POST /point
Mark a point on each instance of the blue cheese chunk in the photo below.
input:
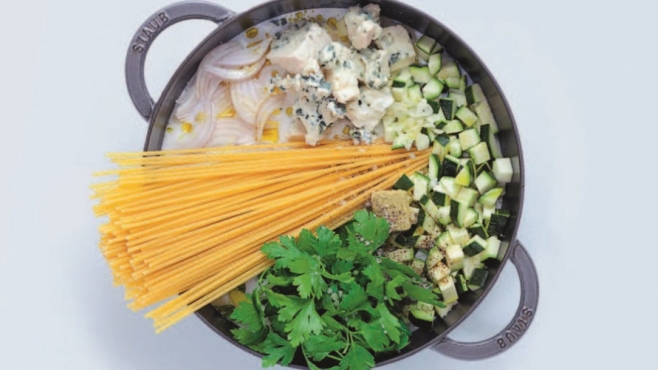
(377, 71)
(363, 25)
(297, 48)
(343, 69)
(396, 41)
(368, 110)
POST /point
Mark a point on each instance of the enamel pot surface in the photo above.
(231, 24)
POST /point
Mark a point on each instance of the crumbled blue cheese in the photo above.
(297, 48)
(368, 110)
(343, 69)
(396, 41)
(377, 71)
(363, 25)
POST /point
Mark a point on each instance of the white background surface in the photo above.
(580, 77)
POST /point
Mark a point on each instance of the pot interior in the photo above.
(393, 12)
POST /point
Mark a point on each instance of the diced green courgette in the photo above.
(455, 257)
(453, 82)
(487, 135)
(440, 199)
(438, 272)
(448, 186)
(466, 174)
(423, 311)
(470, 264)
(478, 278)
(490, 198)
(453, 127)
(475, 246)
(418, 266)
(434, 63)
(469, 138)
(432, 89)
(421, 185)
(426, 44)
(448, 69)
(485, 114)
(466, 116)
(455, 147)
(493, 247)
(405, 77)
(421, 74)
(485, 182)
(448, 290)
(433, 257)
(444, 241)
(451, 166)
(404, 183)
(503, 170)
(467, 196)
(458, 235)
(449, 107)
(415, 93)
(474, 94)
(458, 96)
(425, 242)
(498, 222)
(444, 311)
(478, 229)
(401, 255)
(435, 170)
(480, 153)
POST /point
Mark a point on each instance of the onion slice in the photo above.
(245, 55)
(268, 107)
(237, 74)
(247, 96)
(231, 131)
(189, 134)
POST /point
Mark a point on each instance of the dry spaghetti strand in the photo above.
(186, 226)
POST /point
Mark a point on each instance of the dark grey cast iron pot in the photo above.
(231, 24)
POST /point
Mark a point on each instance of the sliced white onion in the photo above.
(221, 99)
(237, 74)
(245, 55)
(218, 53)
(267, 108)
(232, 131)
(176, 136)
(247, 97)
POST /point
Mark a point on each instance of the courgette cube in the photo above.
(433, 89)
(435, 170)
(444, 311)
(466, 116)
(458, 96)
(498, 222)
(470, 264)
(404, 183)
(451, 166)
(467, 196)
(448, 69)
(478, 279)
(423, 311)
(444, 241)
(493, 247)
(401, 255)
(459, 236)
(421, 185)
(426, 44)
(421, 75)
(448, 290)
(487, 135)
(449, 107)
(434, 63)
(453, 127)
(455, 257)
(474, 94)
(485, 115)
(485, 182)
(469, 138)
(480, 153)
(475, 246)
(466, 175)
(490, 198)
(433, 258)
(438, 272)
(469, 218)
(503, 170)
(418, 266)
(453, 82)
(457, 212)
(440, 199)
(461, 284)
(478, 229)
(425, 242)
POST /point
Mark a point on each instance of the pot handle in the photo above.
(149, 31)
(515, 329)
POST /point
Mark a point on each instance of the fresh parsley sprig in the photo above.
(327, 297)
